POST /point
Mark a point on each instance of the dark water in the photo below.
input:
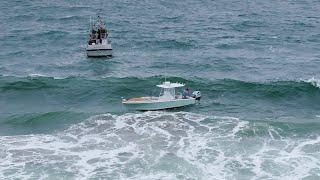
(256, 64)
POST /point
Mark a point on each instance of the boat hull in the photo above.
(159, 105)
(99, 53)
(99, 50)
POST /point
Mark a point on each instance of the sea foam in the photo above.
(160, 145)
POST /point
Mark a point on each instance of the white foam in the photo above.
(36, 75)
(315, 82)
(159, 145)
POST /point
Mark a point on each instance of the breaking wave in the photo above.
(315, 82)
(163, 145)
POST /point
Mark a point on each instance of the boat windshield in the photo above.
(167, 94)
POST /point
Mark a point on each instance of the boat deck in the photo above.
(152, 100)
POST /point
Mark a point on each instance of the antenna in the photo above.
(165, 72)
(90, 29)
(100, 8)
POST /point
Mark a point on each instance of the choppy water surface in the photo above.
(256, 64)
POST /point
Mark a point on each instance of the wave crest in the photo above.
(313, 81)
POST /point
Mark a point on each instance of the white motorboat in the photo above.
(167, 99)
(98, 44)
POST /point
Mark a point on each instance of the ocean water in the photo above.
(255, 62)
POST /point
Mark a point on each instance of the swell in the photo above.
(286, 101)
(35, 123)
(270, 89)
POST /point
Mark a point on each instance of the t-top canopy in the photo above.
(168, 85)
(98, 24)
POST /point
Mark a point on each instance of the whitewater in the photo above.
(256, 64)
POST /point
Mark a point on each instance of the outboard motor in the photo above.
(196, 95)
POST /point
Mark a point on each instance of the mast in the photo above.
(165, 72)
(90, 22)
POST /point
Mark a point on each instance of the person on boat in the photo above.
(103, 33)
(185, 93)
(93, 38)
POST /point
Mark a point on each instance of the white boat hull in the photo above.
(158, 105)
(99, 50)
(99, 53)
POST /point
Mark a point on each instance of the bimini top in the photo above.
(168, 85)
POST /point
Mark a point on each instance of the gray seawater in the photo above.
(256, 64)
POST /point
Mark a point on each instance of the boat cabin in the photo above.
(168, 90)
(98, 32)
